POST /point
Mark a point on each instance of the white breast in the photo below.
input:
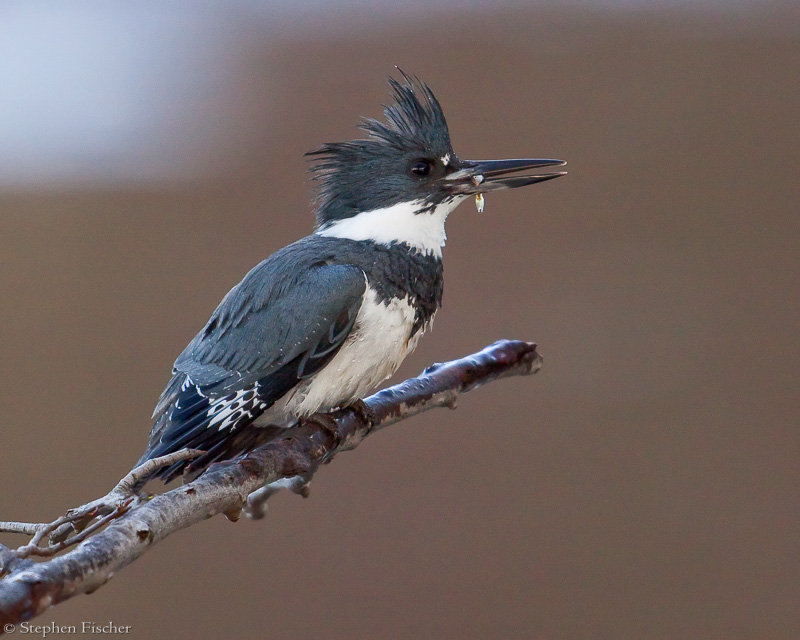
(413, 223)
(378, 344)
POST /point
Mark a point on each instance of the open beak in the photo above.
(480, 176)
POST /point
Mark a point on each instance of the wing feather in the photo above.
(271, 331)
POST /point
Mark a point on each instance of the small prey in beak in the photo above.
(476, 177)
(473, 177)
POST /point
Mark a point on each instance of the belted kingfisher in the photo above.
(324, 320)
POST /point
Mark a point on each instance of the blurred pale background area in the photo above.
(644, 485)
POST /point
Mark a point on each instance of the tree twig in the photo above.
(26, 528)
(129, 527)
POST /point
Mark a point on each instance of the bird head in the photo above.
(407, 163)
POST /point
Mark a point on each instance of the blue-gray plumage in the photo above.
(325, 319)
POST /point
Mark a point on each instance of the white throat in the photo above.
(399, 223)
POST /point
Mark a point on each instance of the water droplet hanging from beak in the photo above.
(480, 202)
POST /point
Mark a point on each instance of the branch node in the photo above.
(302, 489)
(234, 514)
(145, 535)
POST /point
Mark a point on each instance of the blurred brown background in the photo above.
(643, 485)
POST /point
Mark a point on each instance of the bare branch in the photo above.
(128, 525)
(52, 549)
(125, 486)
(27, 528)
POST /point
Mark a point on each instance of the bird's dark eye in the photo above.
(421, 168)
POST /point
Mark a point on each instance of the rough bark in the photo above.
(27, 588)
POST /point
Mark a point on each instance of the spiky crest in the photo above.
(347, 172)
